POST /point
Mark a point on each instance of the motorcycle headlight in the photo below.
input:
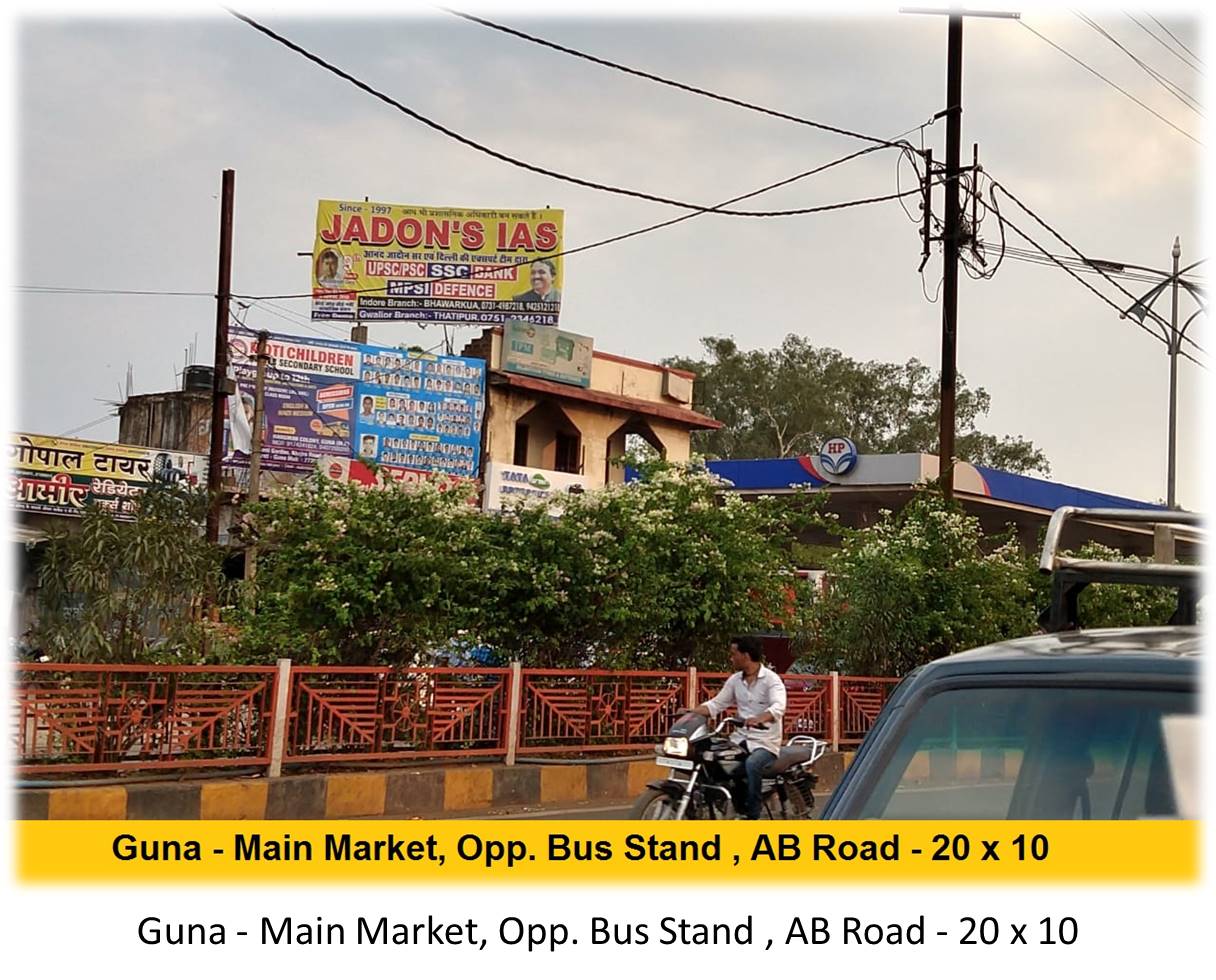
(675, 745)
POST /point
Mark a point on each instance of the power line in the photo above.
(661, 80)
(87, 425)
(83, 291)
(1176, 91)
(648, 228)
(1164, 337)
(1114, 306)
(265, 300)
(1125, 275)
(1099, 75)
(1140, 25)
(1176, 39)
(297, 320)
(523, 164)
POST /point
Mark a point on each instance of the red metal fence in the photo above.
(586, 710)
(93, 718)
(383, 713)
(85, 718)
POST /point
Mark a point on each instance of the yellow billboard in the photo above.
(404, 262)
(50, 475)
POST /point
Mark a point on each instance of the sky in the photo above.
(123, 125)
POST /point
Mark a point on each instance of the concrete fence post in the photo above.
(834, 717)
(514, 697)
(692, 687)
(278, 720)
(1163, 544)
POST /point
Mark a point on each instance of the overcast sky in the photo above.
(123, 127)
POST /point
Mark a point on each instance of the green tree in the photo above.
(788, 400)
(112, 591)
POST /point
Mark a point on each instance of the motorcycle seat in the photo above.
(791, 755)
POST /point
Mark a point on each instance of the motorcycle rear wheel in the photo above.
(797, 807)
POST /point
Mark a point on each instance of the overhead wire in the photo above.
(1176, 39)
(84, 291)
(1117, 88)
(971, 188)
(1139, 24)
(1173, 89)
(1076, 252)
(1027, 255)
(525, 165)
(661, 80)
(86, 425)
(1161, 323)
(1105, 299)
(613, 239)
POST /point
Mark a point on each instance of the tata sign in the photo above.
(505, 484)
(837, 456)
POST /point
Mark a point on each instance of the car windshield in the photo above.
(1032, 752)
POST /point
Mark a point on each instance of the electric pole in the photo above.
(1175, 347)
(951, 233)
(255, 454)
(950, 237)
(220, 382)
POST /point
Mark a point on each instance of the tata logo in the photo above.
(837, 456)
(528, 479)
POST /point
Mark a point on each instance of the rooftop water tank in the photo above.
(198, 377)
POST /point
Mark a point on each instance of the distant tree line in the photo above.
(788, 400)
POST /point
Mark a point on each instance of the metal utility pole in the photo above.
(220, 383)
(358, 332)
(951, 232)
(1175, 345)
(255, 455)
(950, 237)
(1171, 333)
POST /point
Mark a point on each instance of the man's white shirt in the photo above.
(766, 693)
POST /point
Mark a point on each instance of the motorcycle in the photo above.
(706, 781)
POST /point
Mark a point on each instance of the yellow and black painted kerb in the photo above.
(421, 792)
(335, 795)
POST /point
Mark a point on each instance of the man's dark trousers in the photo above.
(757, 760)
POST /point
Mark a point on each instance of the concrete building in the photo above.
(176, 420)
(534, 423)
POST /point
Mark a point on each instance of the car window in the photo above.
(1032, 752)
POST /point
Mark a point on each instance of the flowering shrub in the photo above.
(915, 586)
(925, 583)
(655, 573)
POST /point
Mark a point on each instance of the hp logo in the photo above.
(837, 456)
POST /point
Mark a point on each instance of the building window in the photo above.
(521, 445)
(565, 456)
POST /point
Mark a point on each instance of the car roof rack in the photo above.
(1069, 576)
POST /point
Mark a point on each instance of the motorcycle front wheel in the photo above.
(654, 804)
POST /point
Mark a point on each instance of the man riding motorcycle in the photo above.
(758, 696)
